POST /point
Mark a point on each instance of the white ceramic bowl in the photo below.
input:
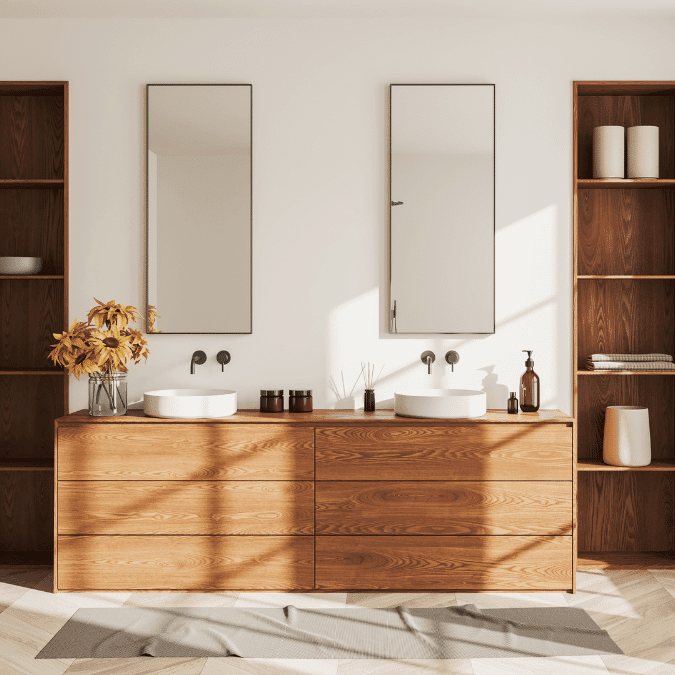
(190, 404)
(440, 403)
(19, 265)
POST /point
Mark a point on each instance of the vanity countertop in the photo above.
(326, 417)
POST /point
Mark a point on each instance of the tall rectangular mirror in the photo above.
(198, 182)
(442, 214)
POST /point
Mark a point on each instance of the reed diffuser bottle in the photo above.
(369, 380)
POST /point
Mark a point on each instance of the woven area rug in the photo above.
(347, 633)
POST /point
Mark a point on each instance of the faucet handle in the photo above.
(452, 357)
(199, 357)
(223, 358)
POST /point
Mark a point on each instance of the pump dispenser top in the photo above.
(529, 386)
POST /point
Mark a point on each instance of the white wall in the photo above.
(320, 181)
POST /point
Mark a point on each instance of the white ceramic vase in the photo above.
(608, 152)
(627, 441)
(643, 152)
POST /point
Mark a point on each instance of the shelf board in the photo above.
(10, 183)
(619, 560)
(26, 465)
(33, 276)
(619, 183)
(625, 276)
(28, 371)
(597, 465)
(625, 372)
(20, 558)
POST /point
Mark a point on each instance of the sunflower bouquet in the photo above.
(101, 348)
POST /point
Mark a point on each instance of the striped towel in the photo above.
(630, 357)
(630, 365)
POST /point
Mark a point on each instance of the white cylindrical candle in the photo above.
(643, 152)
(608, 152)
(627, 441)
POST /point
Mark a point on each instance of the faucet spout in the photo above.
(427, 359)
(198, 358)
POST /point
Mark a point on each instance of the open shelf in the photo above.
(626, 276)
(595, 465)
(26, 465)
(619, 560)
(8, 183)
(625, 372)
(621, 183)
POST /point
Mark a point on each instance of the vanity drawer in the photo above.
(452, 452)
(185, 563)
(443, 507)
(435, 563)
(190, 507)
(197, 451)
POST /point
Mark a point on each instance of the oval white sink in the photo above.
(440, 403)
(190, 403)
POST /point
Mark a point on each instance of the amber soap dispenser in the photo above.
(529, 386)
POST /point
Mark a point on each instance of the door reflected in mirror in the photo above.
(442, 224)
(199, 208)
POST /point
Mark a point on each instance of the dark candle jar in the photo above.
(271, 400)
(300, 401)
(369, 400)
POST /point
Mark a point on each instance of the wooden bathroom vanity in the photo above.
(328, 501)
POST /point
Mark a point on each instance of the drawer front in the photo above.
(443, 508)
(431, 563)
(185, 563)
(185, 452)
(190, 507)
(472, 452)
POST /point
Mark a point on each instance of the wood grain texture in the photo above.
(32, 136)
(443, 508)
(26, 511)
(626, 111)
(597, 465)
(469, 563)
(626, 232)
(596, 393)
(627, 512)
(190, 507)
(331, 418)
(614, 560)
(519, 452)
(32, 224)
(28, 408)
(30, 312)
(185, 452)
(625, 317)
(185, 563)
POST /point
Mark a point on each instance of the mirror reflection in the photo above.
(199, 208)
(442, 208)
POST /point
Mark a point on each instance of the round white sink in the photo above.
(190, 404)
(440, 403)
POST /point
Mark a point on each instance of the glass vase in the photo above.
(107, 394)
(369, 400)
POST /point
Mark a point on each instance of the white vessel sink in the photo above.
(190, 404)
(440, 403)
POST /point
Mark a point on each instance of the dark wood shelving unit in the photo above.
(624, 302)
(33, 222)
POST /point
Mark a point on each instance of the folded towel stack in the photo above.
(630, 362)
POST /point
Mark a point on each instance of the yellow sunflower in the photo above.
(71, 344)
(139, 345)
(113, 316)
(111, 350)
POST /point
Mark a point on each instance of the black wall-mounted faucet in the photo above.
(223, 358)
(198, 358)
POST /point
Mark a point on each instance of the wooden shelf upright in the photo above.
(624, 302)
(33, 222)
